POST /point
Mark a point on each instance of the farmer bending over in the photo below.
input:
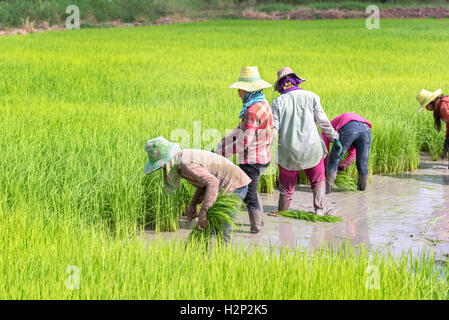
(296, 114)
(251, 139)
(439, 105)
(205, 170)
(355, 137)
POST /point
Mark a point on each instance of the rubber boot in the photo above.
(261, 208)
(361, 185)
(255, 218)
(330, 180)
(319, 199)
(284, 203)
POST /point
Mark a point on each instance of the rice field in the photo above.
(67, 258)
(77, 108)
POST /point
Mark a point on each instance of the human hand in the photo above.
(202, 224)
(202, 221)
(192, 213)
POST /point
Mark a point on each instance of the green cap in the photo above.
(160, 151)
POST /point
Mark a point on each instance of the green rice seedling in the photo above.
(218, 215)
(309, 216)
(267, 183)
(163, 209)
(345, 182)
(74, 123)
(42, 256)
(77, 107)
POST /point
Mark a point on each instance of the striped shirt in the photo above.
(251, 139)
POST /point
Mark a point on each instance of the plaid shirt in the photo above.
(252, 138)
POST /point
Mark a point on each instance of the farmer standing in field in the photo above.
(355, 137)
(205, 170)
(439, 105)
(296, 114)
(251, 139)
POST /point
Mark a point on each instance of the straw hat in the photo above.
(250, 80)
(425, 97)
(160, 151)
(283, 73)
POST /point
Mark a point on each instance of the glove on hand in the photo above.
(339, 147)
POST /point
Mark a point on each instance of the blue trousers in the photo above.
(357, 134)
(227, 228)
(253, 171)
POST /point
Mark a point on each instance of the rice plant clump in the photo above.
(309, 216)
(221, 213)
(345, 182)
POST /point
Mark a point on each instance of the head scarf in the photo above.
(170, 176)
(289, 83)
(250, 99)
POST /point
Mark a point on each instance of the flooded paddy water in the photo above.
(396, 213)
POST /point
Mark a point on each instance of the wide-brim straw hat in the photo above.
(425, 97)
(286, 72)
(160, 151)
(250, 80)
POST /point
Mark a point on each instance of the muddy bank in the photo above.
(30, 27)
(311, 14)
(396, 213)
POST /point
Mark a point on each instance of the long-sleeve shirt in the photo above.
(296, 115)
(251, 139)
(444, 113)
(338, 123)
(210, 173)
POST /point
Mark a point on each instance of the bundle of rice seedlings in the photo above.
(345, 182)
(309, 216)
(218, 215)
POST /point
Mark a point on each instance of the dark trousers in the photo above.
(253, 171)
(357, 134)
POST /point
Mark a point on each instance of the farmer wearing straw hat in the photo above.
(205, 170)
(439, 104)
(296, 114)
(252, 138)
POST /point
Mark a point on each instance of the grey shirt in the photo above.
(296, 115)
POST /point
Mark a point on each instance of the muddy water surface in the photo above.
(395, 213)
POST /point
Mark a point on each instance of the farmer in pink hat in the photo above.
(296, 114)
(205, 170)
(355, 137)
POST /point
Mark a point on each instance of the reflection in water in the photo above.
(395, 213)
(287, 235)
